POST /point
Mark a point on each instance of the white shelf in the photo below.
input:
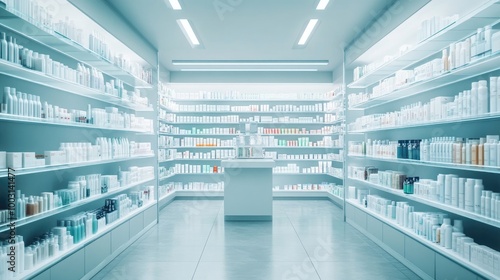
(303, 147)
(259, 123)
(184, 174)
(250, 112)
(170, 195)
(301, 174)
(435, 204)
(23, 119)
(465, 26)
(313, 160)
(62, 255)
(198, 159)
(437, 248)
(166, 160)
(19, 72)
(25, 171)
(300, 193)
(473, 69)
(335, 176)
(488, 116)
(199, 135)
(467, 167)
(68, 47)
(76, 204)
(166, 177)
(201, 147)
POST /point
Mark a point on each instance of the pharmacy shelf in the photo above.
(433, 246)
(466, 167)
(198, 174)
(166, 160)
(17, 71)
(473, 69)
(28, 220)
(75, 248)
(335, 176)
(259, 123)
(68, 47)
(302, 174)
(198, 159)
(488, 116)
(31, 120)
(303, 147)
(249, 112)
(200, 135)
(299, 193)
(26, 171)
(166, 177)
(200, 147)
(335, 198)
(199, 193)
(313, 160)
(435, 204)
(486, 14)
(169, 196)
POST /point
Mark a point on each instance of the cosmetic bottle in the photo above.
(440, 187)
(16, 52)
(474, 99)
(451, 60)
(487, 203)
(487, 39)
(493, 95)
(480, 151)
(9, 101)
(31, 106)
(473, 151)
(10, 49)
(4, 46)
(20, 104)
(25, 104)
(469, 195)
(38, 106)
(482, 97)
(493, 152)
(461, 193)
(468, 147)
(454, 191)
(483, 198)
(486, 154)
(498, 94)
(478, 188)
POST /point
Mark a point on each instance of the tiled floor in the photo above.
(305, 240)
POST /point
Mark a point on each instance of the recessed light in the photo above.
(250, 62)
(322, 4)
(307, 32)
(188, 31)
(175, 4)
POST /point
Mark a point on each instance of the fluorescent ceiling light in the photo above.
(188, 31)
(322, 4)
(307, 32)
(250, 62)
(175, 4)
(248, 70)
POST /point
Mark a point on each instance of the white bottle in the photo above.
(38, 107)
(474, 99)
(9, 100)
(10, 48)
(469, 195)
(31, 106)
(445, 227)
(26, 104)
(482, 97)
(498, 94)
(20, 104)
(478, 188)
(493, 153)
(493, 94)
(5, 48)
(461, 193)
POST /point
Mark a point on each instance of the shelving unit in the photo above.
(398, 240)
(279, 177)
(28, 134)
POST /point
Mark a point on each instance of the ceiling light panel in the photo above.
(175, 5)
(322, 4)
(250, 62)
(307, 32)
(188, 31)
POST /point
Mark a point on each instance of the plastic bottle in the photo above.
(10, 46)
(469, 195)
(20, 104)
(482, 97)
(4, 46)
(493, 94)
(478, 188)
(474, 99)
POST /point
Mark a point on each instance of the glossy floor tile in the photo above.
(306, 240)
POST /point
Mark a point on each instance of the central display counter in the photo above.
(248, 191)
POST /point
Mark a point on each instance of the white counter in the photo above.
(248, 189)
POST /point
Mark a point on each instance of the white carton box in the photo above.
(3, 160)
(29, 160)
(15, 160)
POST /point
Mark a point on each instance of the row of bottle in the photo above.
(260, 130)
(194, 186)
(22, 104)
(318, 107)
(477, 101)
(42, 17)
(173, 118)
(437, 228)
(306, 187)
(284, 156)
(237, 95)
(323, 167)
(83, 75)
(196, 168)
(68, 232)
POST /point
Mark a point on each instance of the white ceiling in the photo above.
(250, 29)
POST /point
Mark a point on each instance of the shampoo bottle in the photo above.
(478, 189)
(493, 94)
(482, 97)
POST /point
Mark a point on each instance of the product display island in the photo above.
(248, 193)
